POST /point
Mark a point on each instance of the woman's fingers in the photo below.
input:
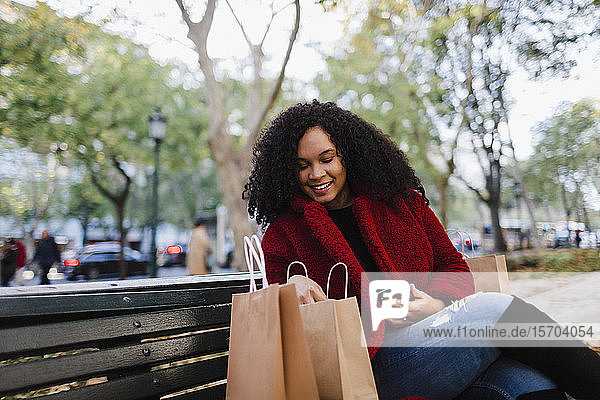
(399, 322)
(306, 300)
(307, 290)
(417, 293)
(317, 293)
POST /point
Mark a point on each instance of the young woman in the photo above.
(331, 187)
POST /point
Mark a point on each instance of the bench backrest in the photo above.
(139, 339)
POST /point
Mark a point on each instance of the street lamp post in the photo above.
(157, 127)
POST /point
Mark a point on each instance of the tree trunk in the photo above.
(84, 220)
(493, 185)
(120, 208)
(233, 173)
(442, 186)
(537, 241)
(567, 212)
(499, 243)
(29, 244)
(119, 200)
(586, 219)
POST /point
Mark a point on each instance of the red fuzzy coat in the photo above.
(400, 239)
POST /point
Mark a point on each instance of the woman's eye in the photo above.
(328, 160)
(302, 166)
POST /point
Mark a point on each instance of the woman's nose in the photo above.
(316, 173)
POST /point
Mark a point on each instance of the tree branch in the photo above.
(125, 192)
(246, 38)
(478, 153)
(43, 207)
(255, 128)
(273, 15)
(268, 28)
(105, 192)
(475, 190)
(185, 15)
(198, 34)
(117, 198)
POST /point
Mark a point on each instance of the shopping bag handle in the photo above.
(303, 266)
(452, 232)
(253, 252)
(329, 277)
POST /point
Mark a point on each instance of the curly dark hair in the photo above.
(373, 162)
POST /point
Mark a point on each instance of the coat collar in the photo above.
(332, 240)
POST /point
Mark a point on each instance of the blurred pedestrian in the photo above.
(8, 266)
(578, 238)
(46, 255)
(197, 249)
(21, 257)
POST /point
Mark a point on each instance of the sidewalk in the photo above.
(566, 297)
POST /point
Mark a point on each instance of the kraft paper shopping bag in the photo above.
(269, 356)
(300, 380)
(338, 349)
(255, 366)
(489, 272)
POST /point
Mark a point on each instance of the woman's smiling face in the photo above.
(321, 175)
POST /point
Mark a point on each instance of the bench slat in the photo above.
(154, 383)
(58, 335)
(187, 282)
(211, 393)
(96, 302)
(25, 376)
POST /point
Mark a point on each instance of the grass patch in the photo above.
(555, 260)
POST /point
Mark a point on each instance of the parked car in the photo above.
(171, 255)
(561, 238)
(102, 259)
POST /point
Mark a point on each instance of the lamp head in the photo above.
(157, 125)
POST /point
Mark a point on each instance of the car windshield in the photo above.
(107, 251)
(100, 257)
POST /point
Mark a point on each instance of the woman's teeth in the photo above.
(323, 186)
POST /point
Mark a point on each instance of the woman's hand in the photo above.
(307, 290)
(422, 307)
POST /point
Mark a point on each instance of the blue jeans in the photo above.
(413, 365)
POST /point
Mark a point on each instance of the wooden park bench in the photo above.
(139, 339)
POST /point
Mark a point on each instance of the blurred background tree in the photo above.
(453, 60)
(75, 96)
(565, 168)
(84, 99)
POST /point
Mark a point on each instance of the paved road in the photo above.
(566, 297)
